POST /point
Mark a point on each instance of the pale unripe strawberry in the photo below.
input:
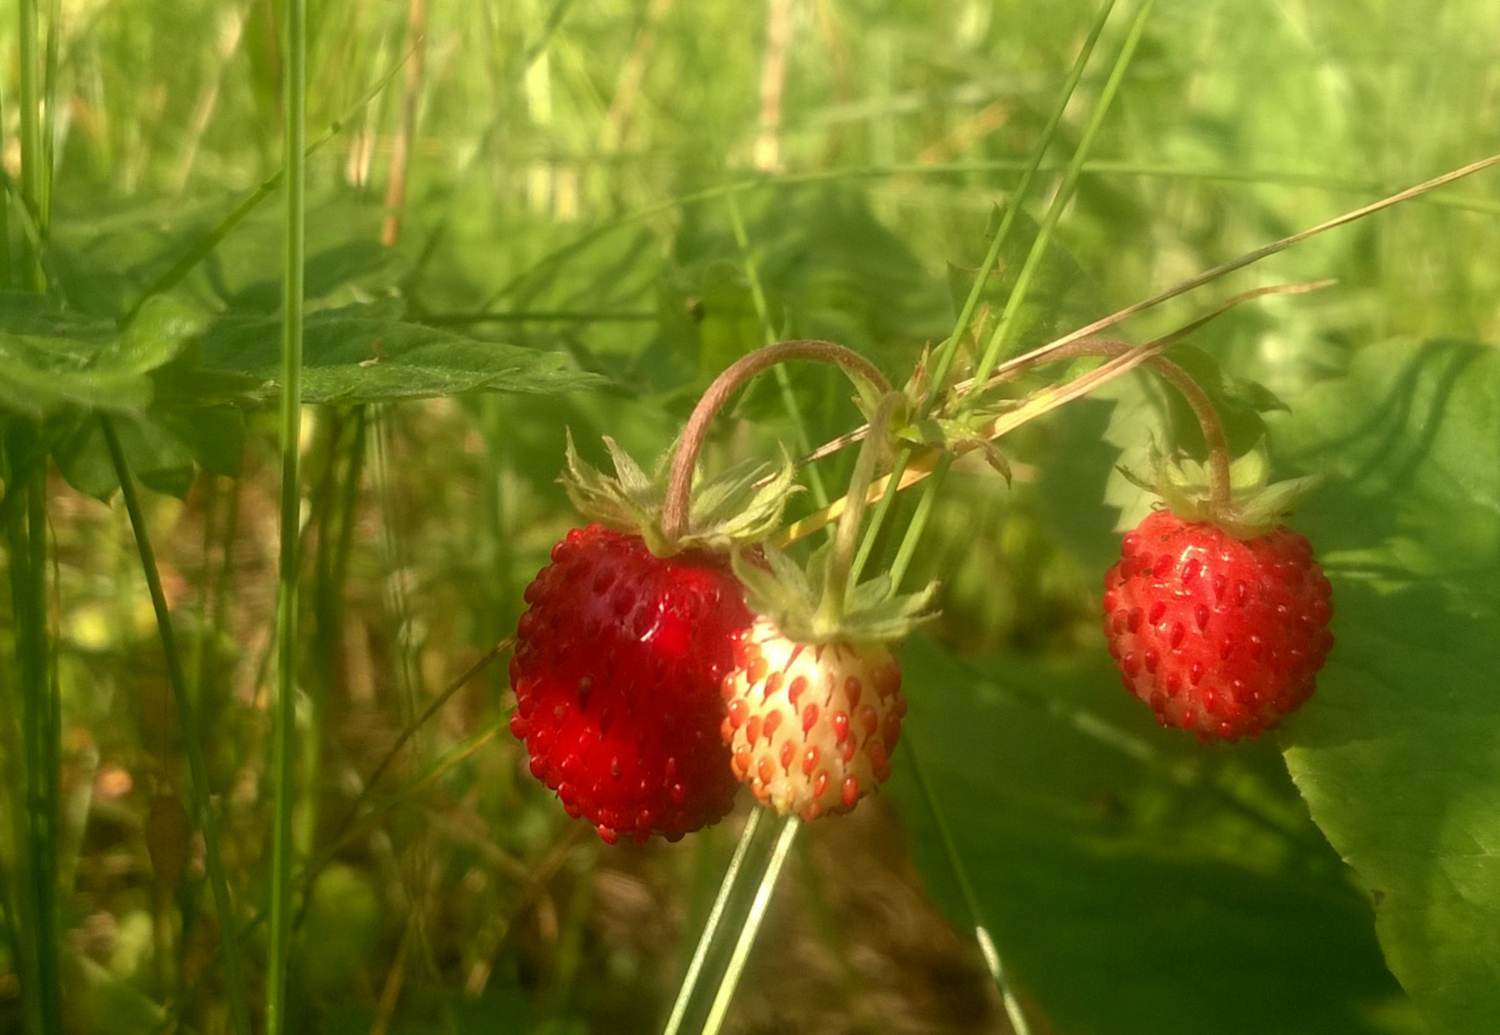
(811, 727)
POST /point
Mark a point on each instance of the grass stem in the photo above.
(41, 730)
(187, 722)
(283, 763)
(34, 169)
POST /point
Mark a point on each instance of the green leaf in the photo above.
(365, 353)
(155, 455)
(51, 358)
(1134, 881)
(1398, 753)
(158, 334)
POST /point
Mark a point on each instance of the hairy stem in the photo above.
(1197, 398)
(674, 518)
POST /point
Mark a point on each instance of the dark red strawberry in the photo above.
(1219, 635)
(617, 672)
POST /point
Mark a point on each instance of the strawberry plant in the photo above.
(994, 355)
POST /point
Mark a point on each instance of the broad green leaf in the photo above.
(158, 334)
(51, 358)
(163, 449)
(1398, 753)
(364, 353)
(1135, 881)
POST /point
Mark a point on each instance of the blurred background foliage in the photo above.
(592, 209)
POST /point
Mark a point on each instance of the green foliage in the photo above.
(365, 353)
(1396, 754)
(567, 258)
(51, 359)
(1135, 882)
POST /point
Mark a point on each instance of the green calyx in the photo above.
(816, 606)
(1257, 505)
(738, 508)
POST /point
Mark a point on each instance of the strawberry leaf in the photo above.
(1396, 752)
(1134, 882)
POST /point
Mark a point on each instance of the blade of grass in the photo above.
(768, 328)
(786, 833)
(711, 925)
(283, 759)
(49, 106)
(1015, 204)
(208, 820)
(33, 167)
(1271, 249)
(6, 276)
(41, 729)
(949, 349)
(986, 943)
(999, 338)
(556, 258)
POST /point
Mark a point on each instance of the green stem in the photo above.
(840, 582)
(724, 944)
(768, 329)
(706, 938)
(285, 720)
(750, 927)
(33, 166)
(208, 820)
(945, 356)
(1220, 485)
(944, 363)
(5, 273)
(865, 375)
(41, 732)
(1000, 337)
(971, 900)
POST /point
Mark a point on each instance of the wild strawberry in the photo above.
(1218, 634)
(812, 726)
(619, 657)
(616, 673)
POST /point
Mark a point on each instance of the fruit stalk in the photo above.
(865, 375)
(1197, 398)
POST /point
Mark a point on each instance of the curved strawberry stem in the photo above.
(866, 376)
(1203, 408)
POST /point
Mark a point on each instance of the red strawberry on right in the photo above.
(1219, 634)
